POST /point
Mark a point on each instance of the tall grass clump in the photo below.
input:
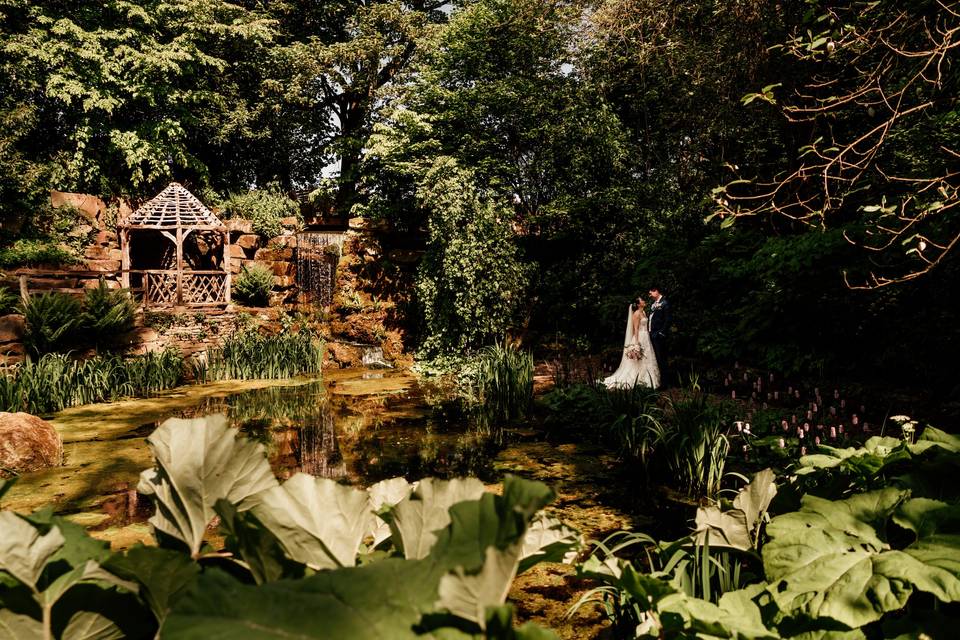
(55, 381)
(249, 355)
(504, 382)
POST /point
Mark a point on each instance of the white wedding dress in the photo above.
(643, 371)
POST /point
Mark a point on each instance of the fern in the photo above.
(253, 286)
(106, 313)
(51, 320)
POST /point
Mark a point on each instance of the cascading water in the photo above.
(317, 255)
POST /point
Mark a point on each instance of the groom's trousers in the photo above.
(660, 352)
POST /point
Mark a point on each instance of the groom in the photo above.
(658, 325)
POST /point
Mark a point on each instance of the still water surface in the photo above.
(354, 426)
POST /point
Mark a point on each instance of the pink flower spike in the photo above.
(843, 404)
(836, 394)
(841, 428)
(814, 407)
(809, 415)
(776, 395)
(733, 394)
(771, 377)
(793, 419)
(855, 420)
(782, 443)
(783, 424)
(806, 426)
(803, 451)
(866, 427)
(833, 433)
(817, 440)
(796, 394)
(800, 433)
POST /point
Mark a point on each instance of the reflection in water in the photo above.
(353, 431)
(353, 428)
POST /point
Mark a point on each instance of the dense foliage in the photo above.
(555, 159)
(846, 561)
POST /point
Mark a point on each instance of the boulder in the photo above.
(248, 241)
(102, 265)
(95, 252)
(290, 221)
(279, 268)
(27, 443)
(11, 328)
(239, 225)
(283, 282)
(89, 206)
(275, 254)
(236, 251)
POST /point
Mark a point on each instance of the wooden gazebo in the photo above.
(161, 269)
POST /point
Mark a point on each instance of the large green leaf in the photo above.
(260, 550)
(15, 626)
(388, 599)
(318, 521)
(415, 519)
(24, 552)
(736, 527)
(469, 594)
(384, 495)
(199, 462)
(830, 560)
(163, 574)
(87, 625)
(549, 540)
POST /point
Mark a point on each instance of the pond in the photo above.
(354, 426)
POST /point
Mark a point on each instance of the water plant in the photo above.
(55, 381)
(250, 355)
(253, 284)
(504, 382)
(308, 558)
(50, 321)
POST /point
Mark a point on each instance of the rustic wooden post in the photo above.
(179, 261)
(125, 258)
(146, 291)
(226, 266)
(24, 290)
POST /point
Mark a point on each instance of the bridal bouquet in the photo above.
(634, 351)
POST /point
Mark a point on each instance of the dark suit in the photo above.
(659, 326)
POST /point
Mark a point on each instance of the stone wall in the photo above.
(276, 254)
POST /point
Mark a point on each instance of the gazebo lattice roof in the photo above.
(173, 207)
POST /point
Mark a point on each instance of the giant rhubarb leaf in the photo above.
(199, 462)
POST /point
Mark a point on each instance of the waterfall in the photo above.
(317, 255)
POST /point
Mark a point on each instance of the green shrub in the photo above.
(106, 313)
(32, 251)
(51, 321)
(265, 208)
(252, 285)
(8, 301)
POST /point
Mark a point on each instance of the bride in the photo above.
(638, 365)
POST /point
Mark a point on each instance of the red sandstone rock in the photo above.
(248, 241)
(236, 251)
(27, 443)
(11, 328)
(239, 225)
(89, 206)
(102, 265)
(274, 254)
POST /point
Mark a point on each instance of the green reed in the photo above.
(504, 383)
(249, 355)
(56, 381)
